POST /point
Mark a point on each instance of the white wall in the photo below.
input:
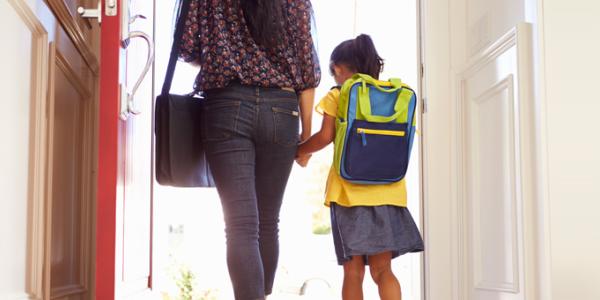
(570, 61)
(487, 20)
(14, 155)
(23, 78)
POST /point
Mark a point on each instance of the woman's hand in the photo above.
(304, 136)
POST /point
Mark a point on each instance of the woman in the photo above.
(258, 71)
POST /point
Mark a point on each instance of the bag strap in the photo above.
(396, 83)
(364, 102)
(184, 7)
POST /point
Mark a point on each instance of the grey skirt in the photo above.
(370, 230)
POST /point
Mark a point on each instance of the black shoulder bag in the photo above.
(180, 160)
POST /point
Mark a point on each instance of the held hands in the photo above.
(315, 142)
(301, 157)
(303, 160)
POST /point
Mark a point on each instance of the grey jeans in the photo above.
(251, 135)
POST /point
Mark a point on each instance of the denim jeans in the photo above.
(250, 136)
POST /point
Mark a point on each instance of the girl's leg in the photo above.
(380, 266)
(354, 272)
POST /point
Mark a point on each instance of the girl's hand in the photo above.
(302, 157)
(316, 142)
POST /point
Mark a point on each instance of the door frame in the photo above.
(439, 271)
(108, 137)
(421, 110)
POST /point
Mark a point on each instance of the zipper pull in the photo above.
(364, 138)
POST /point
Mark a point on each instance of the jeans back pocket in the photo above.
(286, 124)
(219, 119)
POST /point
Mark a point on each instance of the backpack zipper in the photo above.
(364, 131)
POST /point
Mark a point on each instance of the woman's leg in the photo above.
(380, 266)
(273, 166)
(231, 154)
(275, 151)
(354, 272)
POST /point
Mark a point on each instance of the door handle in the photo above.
(127, 99)
(134, 18)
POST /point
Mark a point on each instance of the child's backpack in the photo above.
(375, 127)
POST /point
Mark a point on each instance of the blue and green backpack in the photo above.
(375, 128)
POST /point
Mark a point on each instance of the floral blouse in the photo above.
(217, 39)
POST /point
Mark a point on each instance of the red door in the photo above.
(123, 231)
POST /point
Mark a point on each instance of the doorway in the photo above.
(189, 239)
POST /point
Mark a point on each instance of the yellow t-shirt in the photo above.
(345, 193)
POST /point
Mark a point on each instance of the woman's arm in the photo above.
(319, 140)
(306, 101)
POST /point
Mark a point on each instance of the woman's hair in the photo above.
(265, 20)
(359, 55)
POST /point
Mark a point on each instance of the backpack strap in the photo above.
(396, 82)
(404, 96)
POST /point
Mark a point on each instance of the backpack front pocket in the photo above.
(376, 152)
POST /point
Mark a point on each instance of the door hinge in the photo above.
(89, 13)
(424, 105)
(110, 9)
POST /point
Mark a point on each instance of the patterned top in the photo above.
(217, 39)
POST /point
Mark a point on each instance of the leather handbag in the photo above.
(180, 160)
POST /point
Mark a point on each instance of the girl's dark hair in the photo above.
(359, 55)
(265, 20)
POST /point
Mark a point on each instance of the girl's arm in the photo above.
(320, 139)
(306, 100)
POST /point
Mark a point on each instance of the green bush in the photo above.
(185, 283)
(321, 229)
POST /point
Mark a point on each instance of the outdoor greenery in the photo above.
(319, 169)
(187, 288)
(185, 283)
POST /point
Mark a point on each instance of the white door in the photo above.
(480, 151)
(490, 176)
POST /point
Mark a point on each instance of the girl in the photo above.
(370, 223)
